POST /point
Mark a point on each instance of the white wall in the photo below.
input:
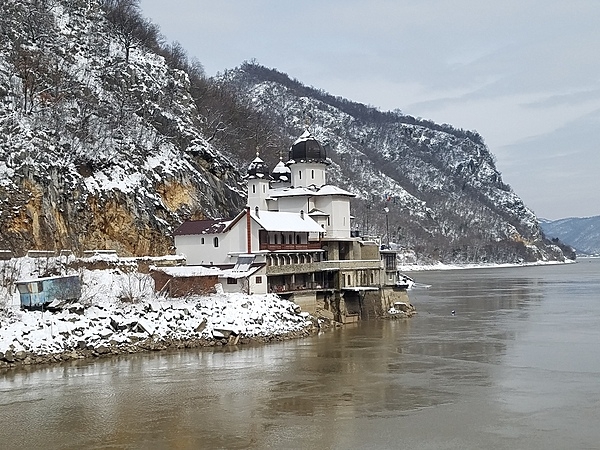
(258, 192)
(338, 208)
(293, 204)
(197, 252)
(307, 174)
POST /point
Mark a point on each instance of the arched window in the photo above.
(216, 241)
(290, 241)
(298, 239)
(254, 189)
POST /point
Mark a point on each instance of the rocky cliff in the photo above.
(99, 142)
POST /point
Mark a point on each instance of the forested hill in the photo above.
(110, 137)
(445, 197)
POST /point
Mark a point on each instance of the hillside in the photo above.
(445, 197)
(110, 138)
(582, 233)
(99, 139)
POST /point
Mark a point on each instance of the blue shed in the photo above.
(40, 292)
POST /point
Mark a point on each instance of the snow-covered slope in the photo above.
(99, 143)
(582, 233)
(444, 195)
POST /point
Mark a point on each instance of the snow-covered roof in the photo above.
(302, 191)
(317, 212)
(204, 271)
(212, 226)
(333, 190)
(258, 169)
(286, 221)
(291, 192)
(281, 168)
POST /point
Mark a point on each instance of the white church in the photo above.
(294, 238)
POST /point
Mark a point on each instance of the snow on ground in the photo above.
(101, 318)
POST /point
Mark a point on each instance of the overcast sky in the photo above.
(524, 73)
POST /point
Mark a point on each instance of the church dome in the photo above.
(281, 172)
(307, 149)
(258, 169)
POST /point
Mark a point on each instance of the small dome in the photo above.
(258, 169)
(307, 149)
(281, 172)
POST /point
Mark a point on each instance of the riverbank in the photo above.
(119, 313)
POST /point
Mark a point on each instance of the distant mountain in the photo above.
(110, 138)
(581, 233)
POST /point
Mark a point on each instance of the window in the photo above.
(264, 188)
(349, 280)
(231, 280)
(300, 174)
(290, 241)
(259, 280)
(312, 174)
(216, 241)
(254, 189)
(202, 241)
(328, 221)
(297, 239)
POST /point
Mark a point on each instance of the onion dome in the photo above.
(258, 169)
(307, 149)
(281, 172)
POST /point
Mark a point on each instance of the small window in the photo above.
(349, 280)
(300, 174)
(258, 280)
(264, 189)
(254, 189)
(297, 239)
(328, 222)
(312, 174)
(290, 239)
(202, 241)
(231, 280)
(216, 241)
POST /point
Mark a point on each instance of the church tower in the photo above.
(258, 184)
(307, 162)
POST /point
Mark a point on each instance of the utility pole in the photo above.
(387, 225)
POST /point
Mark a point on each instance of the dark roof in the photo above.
(258, 169)
(211, 226)
(307, 149)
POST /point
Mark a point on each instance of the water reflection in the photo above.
(521, 355)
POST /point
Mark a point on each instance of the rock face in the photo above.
(97, 151)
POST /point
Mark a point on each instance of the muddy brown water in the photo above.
(516, 366)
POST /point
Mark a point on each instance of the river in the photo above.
(516, 366)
